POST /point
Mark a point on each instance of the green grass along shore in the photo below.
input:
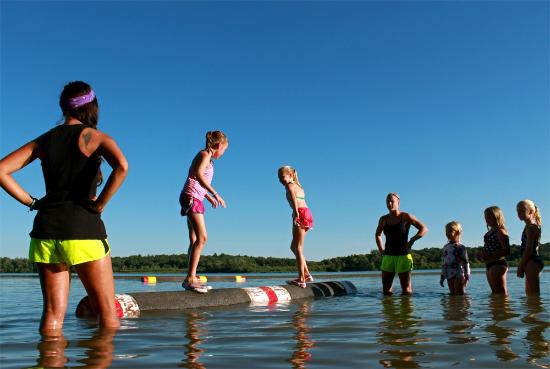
(427, 258)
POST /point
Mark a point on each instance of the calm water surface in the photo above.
(428, 330)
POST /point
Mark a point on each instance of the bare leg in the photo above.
(297, 247)
(458, 286)
(532, 278)
(496, 276)
(97, 278)
(199, 228)
(405, 280)
(451, 285)
(387, 281)
(192, 239)
(55, 281)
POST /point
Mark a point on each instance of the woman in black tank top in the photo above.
(396, 252)
(68, 230)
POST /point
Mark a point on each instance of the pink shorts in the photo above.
(189, 204)
(305, 219)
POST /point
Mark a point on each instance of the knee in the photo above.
(201, 240)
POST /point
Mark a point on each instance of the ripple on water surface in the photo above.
(427, 330)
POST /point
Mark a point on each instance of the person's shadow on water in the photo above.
(397, 334)
(195, 332)
(456, 312)
(501, 311)
(301, 354)
(538, 344)
(99, 349)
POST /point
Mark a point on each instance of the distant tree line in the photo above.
(428, 258)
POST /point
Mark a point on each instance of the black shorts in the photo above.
(497, 262)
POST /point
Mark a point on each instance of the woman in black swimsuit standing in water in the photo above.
(396, 252)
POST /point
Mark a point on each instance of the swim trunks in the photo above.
(190, 204)
(496, 262)
(304, 219)
(397, 263)
(70, 252)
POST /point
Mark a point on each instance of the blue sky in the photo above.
(446, 103)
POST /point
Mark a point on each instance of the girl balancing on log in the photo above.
(198, 187)
(302, 221)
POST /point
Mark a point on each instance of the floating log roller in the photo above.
(131, 305)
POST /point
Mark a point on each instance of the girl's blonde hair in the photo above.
(214, 138)
(292, 171)
(497, 215)
(530, 205)
(453, 226)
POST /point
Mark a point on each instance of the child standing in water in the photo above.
(496, 247)
(455, 267)
(197, 187)
(531, 264)
(302, 221)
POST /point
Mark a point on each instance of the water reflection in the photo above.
(536, 325)
(398, 333)
(99, 350)
(51, 350)
(304, 343)
(195, 330)
(501, 311)
(456, 311)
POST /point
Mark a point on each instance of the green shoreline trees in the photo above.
(428, 258)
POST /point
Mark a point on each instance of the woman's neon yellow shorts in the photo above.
(397, 264)
(70, 252)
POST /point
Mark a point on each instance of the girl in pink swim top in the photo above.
(302, 221)
(198, 187)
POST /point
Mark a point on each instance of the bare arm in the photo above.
(203, 159)
(115, 158)
(13, 162)
(200, 167)
(378, 234)
(422, 229)
(466, 262)
(291, 191)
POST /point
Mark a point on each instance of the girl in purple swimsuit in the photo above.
(198, 187)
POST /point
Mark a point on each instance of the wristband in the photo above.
(32, 204)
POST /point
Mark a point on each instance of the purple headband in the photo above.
(76, 102)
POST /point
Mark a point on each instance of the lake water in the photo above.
(427, 330)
